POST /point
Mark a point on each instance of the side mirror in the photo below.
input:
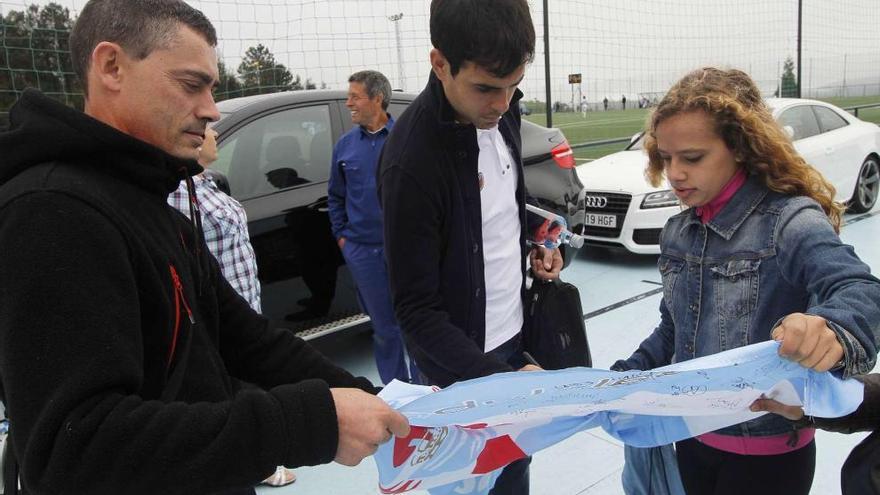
(789, 130)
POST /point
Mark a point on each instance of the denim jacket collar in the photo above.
(736, 211)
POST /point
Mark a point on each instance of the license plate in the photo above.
(597, 220)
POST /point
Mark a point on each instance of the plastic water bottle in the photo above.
(552, 230)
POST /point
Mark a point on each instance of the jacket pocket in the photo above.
(670, 269)
(736, 287)
(356, 180)
(230, 222)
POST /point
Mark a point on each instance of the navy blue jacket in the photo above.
(430, 197)
(351, 193)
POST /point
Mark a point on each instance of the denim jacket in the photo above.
(728, 283)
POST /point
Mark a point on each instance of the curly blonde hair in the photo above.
(745, 123)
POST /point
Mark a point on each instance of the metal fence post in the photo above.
(547, 63)
(799, 38)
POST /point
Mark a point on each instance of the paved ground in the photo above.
(616, 288)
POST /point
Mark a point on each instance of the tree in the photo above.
(296, 85)
(229, 86)
(259, 73)
(37, 54)
(789, 88)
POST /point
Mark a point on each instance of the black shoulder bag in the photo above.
(554, 332)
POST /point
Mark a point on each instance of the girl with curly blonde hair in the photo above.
(748, 129)
(755, 256)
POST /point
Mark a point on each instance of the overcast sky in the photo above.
(630, 47)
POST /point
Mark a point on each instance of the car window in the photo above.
(829, 119)
(281, 150)
(396, 109)
(802, 120)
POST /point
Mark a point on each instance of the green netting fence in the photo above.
(624, 49)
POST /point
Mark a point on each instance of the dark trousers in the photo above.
(367, 266)
(708, 471)
(239, 491)
(514, 479)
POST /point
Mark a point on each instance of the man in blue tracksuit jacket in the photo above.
(357, 219)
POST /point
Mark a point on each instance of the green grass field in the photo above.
(624, 123)
(596, 127)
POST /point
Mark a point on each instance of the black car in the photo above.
(275, 151)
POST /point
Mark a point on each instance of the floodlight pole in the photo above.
(799, 44)
(547, 64)
(395, 19)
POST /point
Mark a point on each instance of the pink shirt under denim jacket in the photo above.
(769, 445)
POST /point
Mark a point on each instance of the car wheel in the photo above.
(867, 186)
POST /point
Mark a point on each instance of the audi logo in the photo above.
(595, 201)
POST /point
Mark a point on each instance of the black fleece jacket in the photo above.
(861, 471)
(122, 349)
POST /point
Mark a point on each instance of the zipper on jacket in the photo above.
(179, 299)
(195, 218)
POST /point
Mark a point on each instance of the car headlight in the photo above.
(660, 199)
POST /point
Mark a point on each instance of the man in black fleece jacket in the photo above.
(123, 351)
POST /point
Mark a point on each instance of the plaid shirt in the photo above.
(225, 227)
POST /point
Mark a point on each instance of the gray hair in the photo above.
(138, 26)
(376, 84)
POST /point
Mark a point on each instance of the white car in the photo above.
(622, 209)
